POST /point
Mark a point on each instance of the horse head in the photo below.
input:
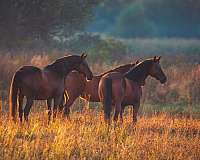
(156, 70)
(84, 68)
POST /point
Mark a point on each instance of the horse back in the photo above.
(118, 85)
(28, 70)
(25, 72)
(35, 82)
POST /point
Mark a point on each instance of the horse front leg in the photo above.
(121, 114)
(135, 111)
(117, 111)
(66, 111)
(57, 102)
(27, 108)
(68, 104)
(49, 103)
(63, 101)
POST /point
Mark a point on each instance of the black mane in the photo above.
(122, 68)
(64, 65)
(139, 72)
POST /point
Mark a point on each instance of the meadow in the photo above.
(111, 33)
(86, 136)
(168, 125)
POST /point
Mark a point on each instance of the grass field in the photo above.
(87, 137)
(162, 132)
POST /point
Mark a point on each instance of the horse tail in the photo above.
(13, 98)
(107, 101)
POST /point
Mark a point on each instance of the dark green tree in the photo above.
(29, 20)
(148, 18)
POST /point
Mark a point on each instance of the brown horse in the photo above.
(125, 89)
(44, 84)
(76, 85)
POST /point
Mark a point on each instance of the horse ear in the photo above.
(137, 62)
(155, 58)
(83, 55)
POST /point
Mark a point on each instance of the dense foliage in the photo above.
(148, 18)
(25, 21)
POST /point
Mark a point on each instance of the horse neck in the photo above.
(95, 81)
(138, 74)
(60, 68)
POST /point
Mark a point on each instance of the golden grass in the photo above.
(87, 137)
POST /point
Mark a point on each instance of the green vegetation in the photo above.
(34, 23)
(110, 49)
(148, 18)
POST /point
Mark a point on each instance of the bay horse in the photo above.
(76, 86)
(43, 84)
(121, 90)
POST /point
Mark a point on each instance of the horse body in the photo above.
(117, 87)
(111, 92)
(90, 91)
(121, 90)
(76, 85)
(133, 92)
(43, 84)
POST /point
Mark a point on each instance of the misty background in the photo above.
(148, 18)
(101, 27)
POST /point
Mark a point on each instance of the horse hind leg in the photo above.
(135, 111)
(27, 108)
(107, 99)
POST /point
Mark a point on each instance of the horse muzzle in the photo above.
(89, 77)
(163, 80)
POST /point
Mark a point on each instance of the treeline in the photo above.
(148, 18)
(109, 49)
(25, 22)
(47, 24)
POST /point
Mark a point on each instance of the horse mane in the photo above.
(122, 68)
(59, 65)
(139, 71)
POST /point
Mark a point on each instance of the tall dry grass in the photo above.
(87, 137)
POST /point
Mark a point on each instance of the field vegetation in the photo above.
(87, 137)
(112, 33)
(168, 126)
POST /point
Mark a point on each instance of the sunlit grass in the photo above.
(87, 137)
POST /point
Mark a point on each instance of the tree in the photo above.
(132, 22)
(149, 18)
(28, 20)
